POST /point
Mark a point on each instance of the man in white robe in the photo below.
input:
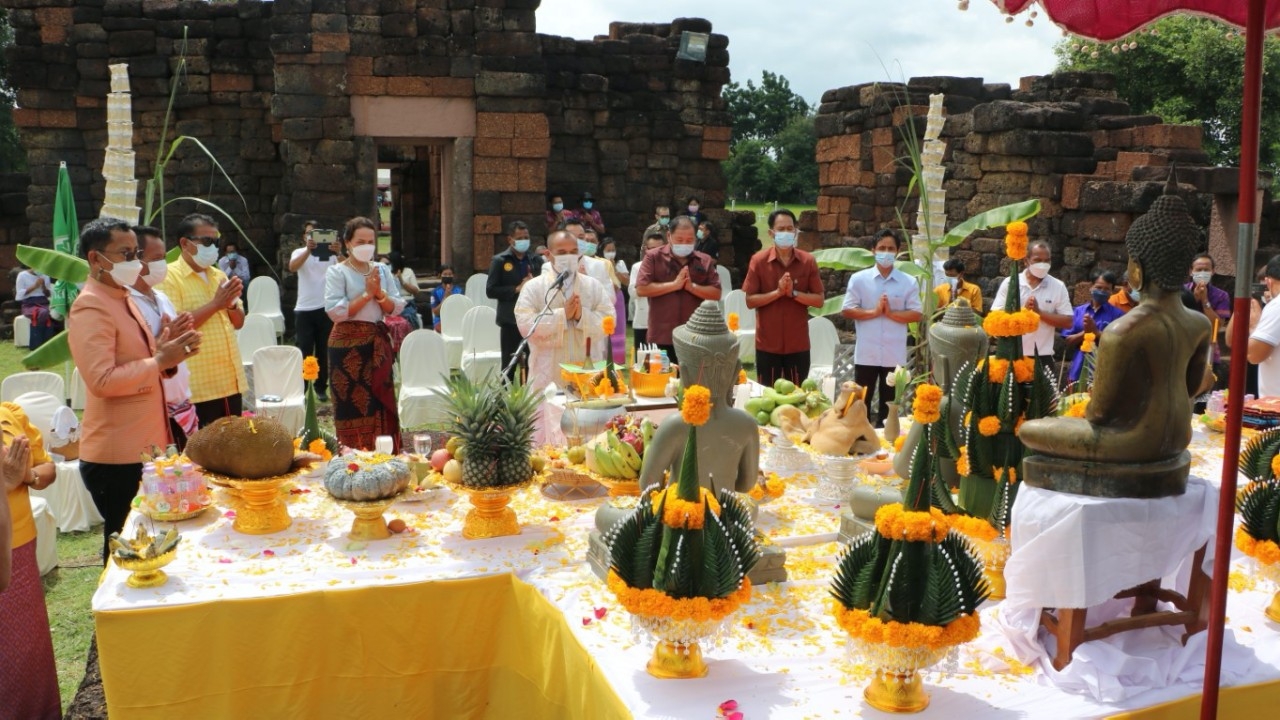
(577, 313)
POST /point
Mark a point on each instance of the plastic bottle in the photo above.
(655, 363)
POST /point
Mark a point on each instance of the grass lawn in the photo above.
(762, 216)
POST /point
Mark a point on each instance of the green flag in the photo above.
(66, 238)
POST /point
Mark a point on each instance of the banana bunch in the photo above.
(144, 546)
(616, 458)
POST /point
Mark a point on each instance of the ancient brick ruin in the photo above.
(1065, 139)
(477, 115)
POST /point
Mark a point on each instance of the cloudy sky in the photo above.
(823, 44)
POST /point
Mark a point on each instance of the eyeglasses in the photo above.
(129, 254)
(205, 240)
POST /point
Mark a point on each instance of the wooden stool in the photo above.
(1068, 624)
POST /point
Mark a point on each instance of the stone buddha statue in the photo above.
(729, 443)
(1133, 438)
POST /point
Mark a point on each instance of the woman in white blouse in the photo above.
(358, 295)
(618, 274)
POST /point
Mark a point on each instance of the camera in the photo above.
(323, 238)
(1258, 290)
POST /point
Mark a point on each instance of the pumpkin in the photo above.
(364, 476)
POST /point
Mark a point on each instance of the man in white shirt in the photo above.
(1264, 333)
(311, 324)
(1044, 294)
(33, 290)
(158, 311)
(577, 313)
(653, 240)
(881, 301)
(233, 264)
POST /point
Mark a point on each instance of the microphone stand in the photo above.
(523, 347)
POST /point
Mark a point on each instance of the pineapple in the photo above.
(494, 423)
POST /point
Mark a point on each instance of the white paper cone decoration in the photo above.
(932, 214)
(118, 166)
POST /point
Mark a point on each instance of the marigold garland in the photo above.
(605, 388)
(1013, 474)
(696, 408)
(310, 368)
(896, 523)
(1077, 410)
(1017, 227)
(1024, 369)
(860, 625)
(962, 462)
(999, 323)
(973, 527)
(1086, 345)
(772, 487)
(989, 425)
(677, 513)
(1264, 551)
(317, 447)
(655, 603)
(733, 321)
(928, 401)
(1275, 466)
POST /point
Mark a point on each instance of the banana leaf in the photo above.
(994, 217)
(844, 258)
(831, 306)
(55, 351)
(57, 265)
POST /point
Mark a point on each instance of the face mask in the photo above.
(885, 259)
(156, 272)
(693, 209)
(364, 253)
(953, 282)
(1201, 278)
(1134, 295)
(784, 239)
(664, 220)
(1099, 296)
(681, 250)
(586, 248)
(126, 273)
(1039, 269)
(609, 254)
(566, 263)
(206, 255)
(521, 246)
(232, 256)
(699, 235)
(558, 207)
(586, 204)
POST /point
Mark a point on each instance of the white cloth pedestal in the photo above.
(46, 535)
(69, 501)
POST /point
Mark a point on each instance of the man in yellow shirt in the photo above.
(196, 285)
(954, 268)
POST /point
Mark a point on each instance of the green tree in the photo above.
(12, 157)
(1189, 70)
(771, 152)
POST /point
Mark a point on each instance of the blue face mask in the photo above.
(558, 207)
(232, 256)
(700, 234)
(784, 239)
(586, 249)
(885, 259)
(1099, 296)
(521, 246)
(1134, 295)
(586, 204)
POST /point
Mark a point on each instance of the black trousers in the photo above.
(876, 380)
(511, 338)
(771, 366)
(311, 330)
(112, 488)
(641, 335)
(211, 410)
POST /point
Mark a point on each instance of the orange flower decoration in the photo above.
(742, 377)
(997, 368)
(989, 425)
(902, 439)
(733, 320)
(1275, 466)
(862, 626)
(1086, 345)
(962, 462)
(655, 603)
(1077, 410)
(973, 527)
(1264, 551)
(926, 408)
(1024, 370)
(1013, 475)
(1015, 240)
(310, 368)
(608, 324)
(677, 513)
(895, 523)
(317, 447)
(696, 409)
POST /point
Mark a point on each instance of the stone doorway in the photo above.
(416, 219)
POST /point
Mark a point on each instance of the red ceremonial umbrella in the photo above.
(1108, 20)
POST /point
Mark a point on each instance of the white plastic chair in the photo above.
(475, 289)
(70, 502)
(264, 299)
(27, 382)
(78, 390)
(46, 534)
(735, 301)
(277, 370)
(481, 344)
(424, 368)
(452, 312)
(726, 282)
(823, 340)
(257, 332)
(21, 331)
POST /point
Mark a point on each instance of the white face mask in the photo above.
(206, 255)
(784, 239)
(1039, 269)
(1202, 277)
(609, 254)
(885, 259)
(126, 273)
(566, 263)
(156, 272)
(953, 281)
(364, 253)
(681, 249)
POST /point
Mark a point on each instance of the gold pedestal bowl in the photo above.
(490, 515)
(369, 524)
(259, 504)
(146, 572)
(678, 653)
(895, 681)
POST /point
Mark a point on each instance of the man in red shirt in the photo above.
(782, 283)
(676, 279)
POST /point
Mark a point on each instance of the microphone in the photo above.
(560, 280)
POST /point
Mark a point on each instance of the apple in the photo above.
(439, 458)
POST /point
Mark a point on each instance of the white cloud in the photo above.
(824, 45)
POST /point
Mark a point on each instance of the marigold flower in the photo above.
(989, 425)
(898, 442)
(1013, 474)
(1017, 227)
(756, 492)
(962, 462)
(1086, 345)
(696, 409)
(1077, 410)
(1024, 370)
(310, 368)
(608, 324)
(317, 447)
(997, 368)
(1264, 551)
(742, 377)
(655, 603)
(733, 321)
(896, 523)
(928, 400)
(1275, 466)
(1015, 246)
(973, 527)
(861, 625)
